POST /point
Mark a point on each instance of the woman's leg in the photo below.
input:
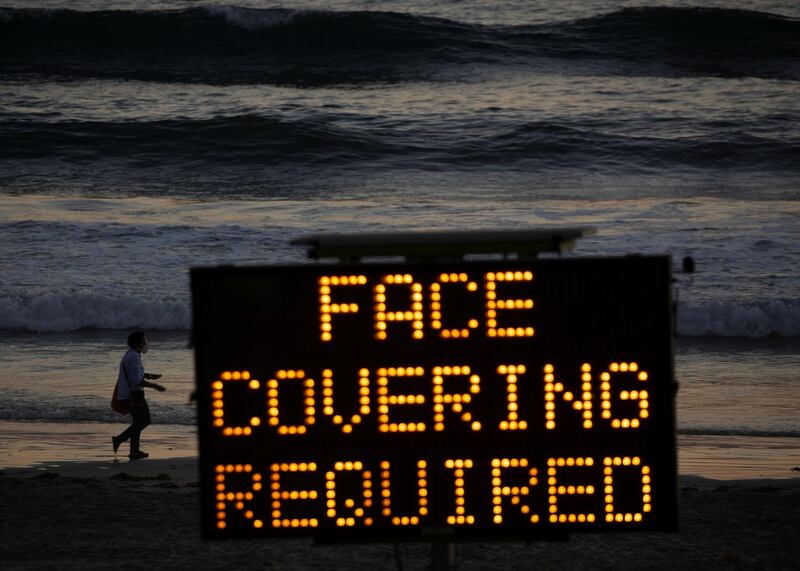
(141, 419)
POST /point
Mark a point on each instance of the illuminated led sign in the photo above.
(502, 399)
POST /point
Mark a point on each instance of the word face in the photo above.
(452, 305)
(502, 399)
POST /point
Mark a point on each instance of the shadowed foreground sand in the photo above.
(73, 518)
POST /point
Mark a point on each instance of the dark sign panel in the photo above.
(504, 399)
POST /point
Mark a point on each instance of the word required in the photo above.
(378, 394)
(369, 500)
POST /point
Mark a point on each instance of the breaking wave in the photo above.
(227, 45)
(72, 312)
(330, 139)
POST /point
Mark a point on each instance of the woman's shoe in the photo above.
(138, 455)
(115, 442)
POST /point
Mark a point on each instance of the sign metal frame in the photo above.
(590, 317)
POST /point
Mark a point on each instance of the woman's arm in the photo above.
(156, 386)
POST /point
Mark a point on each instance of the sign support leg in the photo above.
(442, 555)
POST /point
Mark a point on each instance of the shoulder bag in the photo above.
(121, 406)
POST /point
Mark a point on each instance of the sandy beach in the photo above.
(144, 515)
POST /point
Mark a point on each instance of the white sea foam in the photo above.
(70, 312)
(250, 19)
(763, 319)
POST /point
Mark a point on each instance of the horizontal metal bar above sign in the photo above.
(450, 244)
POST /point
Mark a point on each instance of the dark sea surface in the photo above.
(267, 91)
(140, 139)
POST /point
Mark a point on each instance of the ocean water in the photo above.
(143, 138)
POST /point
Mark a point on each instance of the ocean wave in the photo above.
(768, 318)
(225, 45)
(236, 139)
(33, 406)
(333, 140)
(72, 312)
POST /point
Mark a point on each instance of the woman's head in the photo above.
(138, 340)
